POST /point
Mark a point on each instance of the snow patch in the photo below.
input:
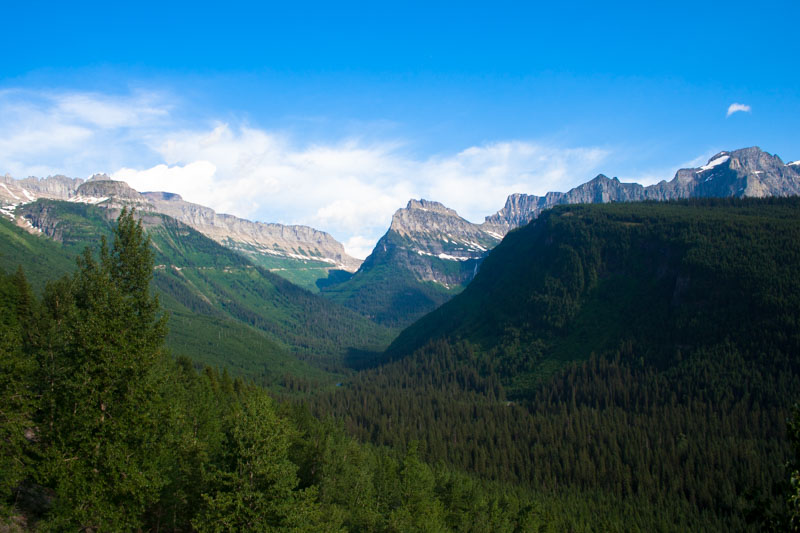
(714, 162)
(495, 235)
(794, 163)
(8, 211)
(451, 258)
(93, 200)
(9, 191)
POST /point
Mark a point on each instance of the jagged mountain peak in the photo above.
(102, 176)
(428, 205)
(435, 228)
(100, 189)
(743, 172)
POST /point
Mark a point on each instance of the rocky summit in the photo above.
(748, 172)
(299, 253)
(301, 243)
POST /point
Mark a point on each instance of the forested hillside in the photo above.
(100, 430)
(224, 310)
(615, 353)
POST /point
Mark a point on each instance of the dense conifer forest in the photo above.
(644, 352)
(611, 368)
(103, 431)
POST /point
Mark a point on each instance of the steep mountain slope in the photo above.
(300, 254)
(428, 254)
(224, 309)
(429, 243)
(644, 351)
(748, 172)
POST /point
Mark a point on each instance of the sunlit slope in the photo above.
(260, 316)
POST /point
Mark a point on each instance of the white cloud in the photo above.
(359, 246)
(348, 188)
(76, 133)
(351, 189)
(735, 108)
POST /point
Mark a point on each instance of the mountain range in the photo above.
(626, 365)
(299, 253)
(428, 254)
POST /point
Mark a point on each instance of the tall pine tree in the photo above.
(102, 365)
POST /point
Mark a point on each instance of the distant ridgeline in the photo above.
(430, 253)
(639, 358)
(225, 309)
(102, 430)
(301, 254)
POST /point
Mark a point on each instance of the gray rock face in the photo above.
(300, 243)
(745, 172)
(293, 242)
(433, 243)
(433, 229)
(21, 191)
(110, 194)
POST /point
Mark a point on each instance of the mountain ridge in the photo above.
(744, 172)
(299, 253)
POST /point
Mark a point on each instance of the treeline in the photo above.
(101, 430)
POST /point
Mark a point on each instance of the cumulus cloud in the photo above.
(349, 188)
(736, 108)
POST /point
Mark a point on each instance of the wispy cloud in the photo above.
(350, 187)
(45, 133)
(736, 108)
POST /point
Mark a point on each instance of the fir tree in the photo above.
(101, 364)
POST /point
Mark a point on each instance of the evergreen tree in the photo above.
(253, 486)
(101, 362)
(794, 471)
(16, 400)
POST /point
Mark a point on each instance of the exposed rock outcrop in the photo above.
(293, 242)
(740, 173)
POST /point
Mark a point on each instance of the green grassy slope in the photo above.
(304, 273)
(385, 288)
(41, 258)
(226, 310)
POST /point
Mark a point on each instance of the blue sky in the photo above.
(334, 114)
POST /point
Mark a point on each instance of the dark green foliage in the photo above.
(16, 400)
(252, 488)
(691, 310)
(106, 433)
(100, 374)
(794, 471)
(224, 310)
